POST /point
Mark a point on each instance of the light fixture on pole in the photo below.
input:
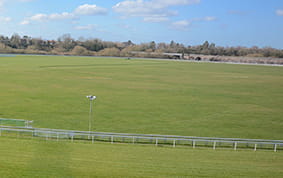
(91, 98)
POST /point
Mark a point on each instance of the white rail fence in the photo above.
(15, 122)
(157, 140)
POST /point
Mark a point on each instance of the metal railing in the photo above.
(16, 122)
(158, 140)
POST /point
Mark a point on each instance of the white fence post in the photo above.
(53, 134)
(235, 146)
(214, 145)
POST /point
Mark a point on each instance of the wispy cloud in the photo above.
(155, 19)
(237, 12)
(85, 27)
(90, 9)
(83, 10)
(62, 16)
(185, 24)
(181, 25)
(203, 19)
(209, 18)
(150, 11)
(25, 22)
(279, 12)
(39, 17)
(45, 17)
(5, 19)
(2, 3)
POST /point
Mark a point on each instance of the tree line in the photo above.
(66, 45)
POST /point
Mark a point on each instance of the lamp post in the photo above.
(91, 98)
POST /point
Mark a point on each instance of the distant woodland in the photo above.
(66, 45)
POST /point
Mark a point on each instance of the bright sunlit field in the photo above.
(144, 96)
(40, 158)
(139, 96)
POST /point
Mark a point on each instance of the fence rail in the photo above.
(171, 140)
(15, 122)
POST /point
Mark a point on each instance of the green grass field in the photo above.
(144, 96)
(140, 96)
(38, 158)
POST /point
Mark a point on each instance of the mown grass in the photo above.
(139, 96)
(144, 96)
(39, 158)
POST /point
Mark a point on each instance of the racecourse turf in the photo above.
(144, 96)
(40, 158)
(139, 96)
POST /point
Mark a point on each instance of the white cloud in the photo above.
(39, 17)
(185, 24)
(2, 3)
(85, 9)
(47, 17)
(5, 19)
(90, 9)
(62, 16)
(279, 12)
(86, 27)
(140, 6)
(25, 22)
(167, 3)
(181, 25)
(155, 19)
(209, 18)
(134, 8)
(150, 10)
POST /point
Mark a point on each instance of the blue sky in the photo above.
(191, 22)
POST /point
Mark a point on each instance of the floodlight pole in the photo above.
(90, 116)
(91, 98)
